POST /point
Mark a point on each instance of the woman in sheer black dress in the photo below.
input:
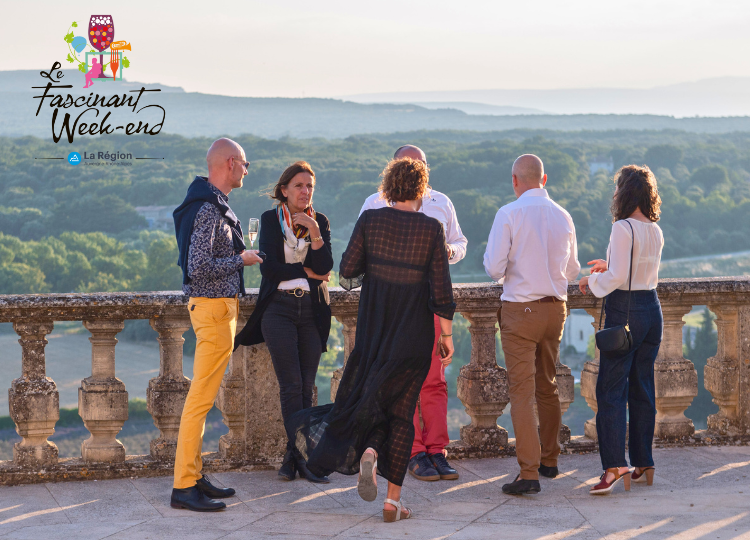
(402, 254)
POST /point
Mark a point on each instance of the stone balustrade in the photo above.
(248, 398)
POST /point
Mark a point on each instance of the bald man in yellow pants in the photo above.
(212, 258)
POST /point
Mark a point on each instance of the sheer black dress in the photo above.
(406, 279)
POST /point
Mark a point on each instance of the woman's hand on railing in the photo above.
(313, 275)
(600, 265)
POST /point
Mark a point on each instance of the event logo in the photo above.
(101, 35)
(104, 62)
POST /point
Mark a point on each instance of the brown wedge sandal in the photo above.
(647, 475)
(389, 516)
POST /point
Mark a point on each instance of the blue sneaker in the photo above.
(443, 468)
(421, 468)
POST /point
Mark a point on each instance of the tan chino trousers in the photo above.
(531, 334)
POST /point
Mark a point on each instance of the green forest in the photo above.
(66, 229)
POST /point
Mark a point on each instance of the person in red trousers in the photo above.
(428, 461)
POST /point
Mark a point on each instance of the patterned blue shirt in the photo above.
(213, 266)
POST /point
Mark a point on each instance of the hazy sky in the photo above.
(331, 48)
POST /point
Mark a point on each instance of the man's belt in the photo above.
(547, 299)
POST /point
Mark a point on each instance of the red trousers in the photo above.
(434, 404)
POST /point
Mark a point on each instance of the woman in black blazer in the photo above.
(292, 314)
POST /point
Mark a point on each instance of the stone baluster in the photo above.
(675, 378)
(349, 321)
(265, 436)
(566, 393)
(589, 376)
(743, 404)
(166, 393)
(483, 386)
(102, 398)
(231, 403)
(33, 399)
(722, 374)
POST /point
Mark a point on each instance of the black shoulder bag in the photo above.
(617, 339)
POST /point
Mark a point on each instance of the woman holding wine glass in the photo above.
(292, 314)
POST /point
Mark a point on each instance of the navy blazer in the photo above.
(275, 269)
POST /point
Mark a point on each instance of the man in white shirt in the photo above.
(532, 247)
(427, 458)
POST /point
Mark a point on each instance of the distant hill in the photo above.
(478, 108)
(195, 114)
(721, 96)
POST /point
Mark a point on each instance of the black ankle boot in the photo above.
(288, 470)
(305, 473)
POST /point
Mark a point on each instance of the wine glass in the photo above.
(252, 230)
(101, 35)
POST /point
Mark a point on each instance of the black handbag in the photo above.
(617, 339)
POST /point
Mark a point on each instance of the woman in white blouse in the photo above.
(626, 381)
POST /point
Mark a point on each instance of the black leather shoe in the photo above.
(443, 468)
(194, 499)
(306, 473)
(211, 491)
(520, 486)
(548, 472)
(288, 471)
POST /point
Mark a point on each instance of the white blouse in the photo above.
(291, 256)
(647, 246)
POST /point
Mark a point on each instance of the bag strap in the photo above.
(630, 280)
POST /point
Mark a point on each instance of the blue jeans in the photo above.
(628, 380)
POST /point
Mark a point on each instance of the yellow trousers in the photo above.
(214, 321)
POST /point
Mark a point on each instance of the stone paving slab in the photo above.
(699, 493)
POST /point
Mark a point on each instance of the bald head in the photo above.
(410, 151)
(528, 173)
(529, 170)
(221, 150)
(226, 167)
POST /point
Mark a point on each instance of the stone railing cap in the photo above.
(139, 305)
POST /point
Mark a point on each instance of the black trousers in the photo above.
(293, 340)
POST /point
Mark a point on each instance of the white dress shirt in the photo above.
(532, 245)
(435, 205)
(647, 247)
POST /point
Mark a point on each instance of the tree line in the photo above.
(65, 228)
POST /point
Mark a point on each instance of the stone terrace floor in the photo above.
(698, 493)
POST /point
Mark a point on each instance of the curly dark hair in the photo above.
(290, 172)
(636, 188)
(404, 179)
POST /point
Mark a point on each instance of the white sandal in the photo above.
(389, 516)
(367, 486)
